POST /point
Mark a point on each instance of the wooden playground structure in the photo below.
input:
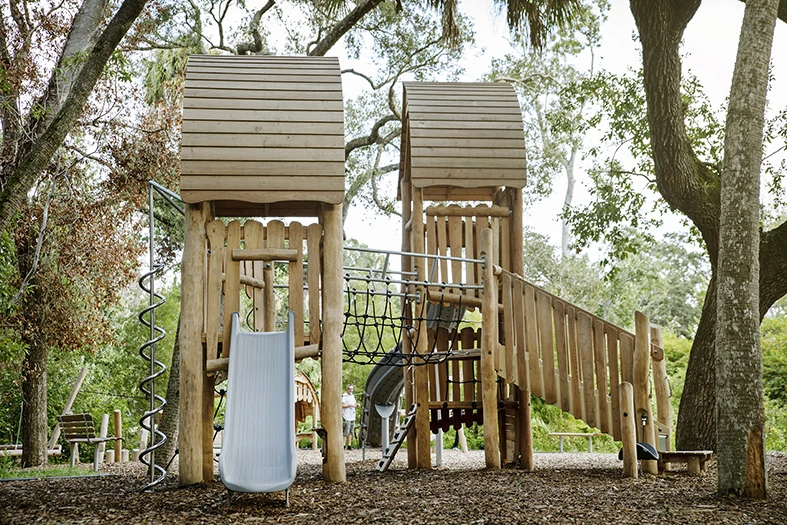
(263, 137)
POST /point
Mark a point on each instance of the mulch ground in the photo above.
(564, 488)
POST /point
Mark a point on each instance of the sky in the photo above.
(709, 48)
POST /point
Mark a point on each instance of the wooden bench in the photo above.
(696, 460)
(79, 428)
(590, 437)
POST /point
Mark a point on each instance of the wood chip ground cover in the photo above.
(564, 488)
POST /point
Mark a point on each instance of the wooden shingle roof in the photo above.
(462, 140)
(263, 133)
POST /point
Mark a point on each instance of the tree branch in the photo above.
(38, 152)
(371, 138)
(345, 24)
(249, 48)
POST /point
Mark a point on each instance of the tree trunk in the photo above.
(169, 418)
(689, 185)
(34, 420)
(739, 397)
(565, 239)
(696, 428)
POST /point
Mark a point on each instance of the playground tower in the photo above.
(263, 136)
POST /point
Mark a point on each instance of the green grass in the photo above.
(55, 471)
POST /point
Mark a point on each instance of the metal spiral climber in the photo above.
(148, 384)
(148, 350)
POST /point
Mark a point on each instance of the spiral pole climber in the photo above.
(148, 349)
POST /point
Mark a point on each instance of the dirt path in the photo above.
(564, 488)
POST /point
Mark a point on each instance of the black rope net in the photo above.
(374, 320)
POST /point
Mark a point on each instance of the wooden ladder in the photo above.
(398, 439)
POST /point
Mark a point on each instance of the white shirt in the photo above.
(348, 413)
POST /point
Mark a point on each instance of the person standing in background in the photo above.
(348, 416)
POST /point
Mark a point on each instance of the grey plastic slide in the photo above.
(258, 449)
(384, 386)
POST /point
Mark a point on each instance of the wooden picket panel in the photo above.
(432, 385)
(216, 232)
(561, 345)
(442, 249)
(585, 345)
(614, 378)
(531, 342)
(467, 336)
(295, 241)
(470, 253)
(231, 283)
(441, 369)
(546, 345)
(508, 368)
(518, 314)
(274, 238)
(577, 392)
(455, 247)
(600, 363)
(313, 238)
(253, 236)
(627, 358)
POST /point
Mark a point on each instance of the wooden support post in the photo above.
(646, 433)
(628, 428)
(333, 468)
(488, 349)
(118, 434)
(524, 424)
(660, 381)
(102, 433)
(191, 358)
(422, 432)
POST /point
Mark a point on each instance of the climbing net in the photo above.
(375, 322)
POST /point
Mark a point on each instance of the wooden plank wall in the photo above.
(231, 278)
(565, 355)
(262, 129)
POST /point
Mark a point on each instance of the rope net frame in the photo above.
(375, 324)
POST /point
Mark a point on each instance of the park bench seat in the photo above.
(79, 428)
(696, 460)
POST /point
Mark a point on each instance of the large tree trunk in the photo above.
(696, 422)
(739, 400)
(34, 421)
(691, 186)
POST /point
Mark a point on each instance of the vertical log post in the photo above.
(102, 433)
(646, 433)
(333, 469)
(407, 312)
(422, 432)
(488, 349)
(628, 428)
(118, 434)
(191, 363)
(660, 382)
(523, 415)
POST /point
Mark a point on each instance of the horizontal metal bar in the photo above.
(428, 284)
(412, 254)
